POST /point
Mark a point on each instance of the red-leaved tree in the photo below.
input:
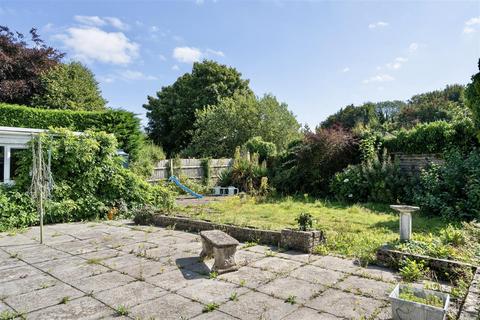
(21, 64)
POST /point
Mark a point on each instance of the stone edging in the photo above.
(471, 306)
(392, 258)
(303, 241)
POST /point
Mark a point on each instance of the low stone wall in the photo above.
(414, 163)
(471, 306)
(292, 239)
(444, 269)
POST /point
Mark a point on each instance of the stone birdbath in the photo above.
(405, 220)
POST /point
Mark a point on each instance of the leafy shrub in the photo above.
(472, 95)
(148, 155)
(376, 180)
(304, 221)
(89, 180)
(434, 137)
(452, 236)
(413, 270)
(451, 190)
(308, 165)
(264, 149)
(16, 209)
(246, 173)
(123, 124)
(143, 215)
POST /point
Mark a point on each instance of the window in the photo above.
(2, 163)
(15, 156)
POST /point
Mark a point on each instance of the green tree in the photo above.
(69, 86)
(171, 113)
(472, 95)
(220, 128)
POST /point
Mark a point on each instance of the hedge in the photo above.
(123, 124)
(433, 137)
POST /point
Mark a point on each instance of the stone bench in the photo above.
(222, 247)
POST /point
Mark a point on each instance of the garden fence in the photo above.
(191, 168)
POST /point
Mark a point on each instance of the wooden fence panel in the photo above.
(192, 168)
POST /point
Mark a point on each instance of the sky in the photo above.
(316, 56)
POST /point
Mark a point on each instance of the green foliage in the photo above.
(209, 307)
(69, 86)
(413, 270)
(472, 95)
(352, 116)
(451, 190)
(122, 310)
(123, 124)
(291, 299)
(305, 221)
(171, 113)
(246, 173)
(148, 155)
(434, 137)
(375, 180)
(265, 150)
(407, 293)
(89, 181)
(453, 236)
(207, 171)
(220, 128)
(16, 209)
(308, 165)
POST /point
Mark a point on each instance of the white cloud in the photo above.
(97, 21)
(126, 75)
(379, 78)
(175, 67)
(215, 53)
(187, 54)
(162, 57)
(117, 23)
(136, 75)
(346, 69)
(413, 47)
(397, 63)
(93, 44)
(90, 20)
(471, 25)
(379, 24)
(199, 2)
(473, 21)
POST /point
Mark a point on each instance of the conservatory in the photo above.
(12, 141)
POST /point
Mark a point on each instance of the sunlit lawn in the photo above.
(351, 230)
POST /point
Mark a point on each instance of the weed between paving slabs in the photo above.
(95, 270)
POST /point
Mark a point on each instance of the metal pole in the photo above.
(40, 166)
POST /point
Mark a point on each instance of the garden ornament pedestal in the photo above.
(222, 247)
(409, 310)
(405, 220)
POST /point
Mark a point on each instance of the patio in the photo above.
(118, 270)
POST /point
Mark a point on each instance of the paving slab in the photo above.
(318, 275)
(82, 308)
(130, 294)
(245, 257)
(19, 286)
(211, 291)
(379, 273)
(176, 279)
(248, 277)
(6, 262)
(345, 305)
(277, 265)
(309, 314)
(39, 299)
(168, 307)
(336, 263)
(145, 269)
(102, 282)
(215, 315)
(288, 287)
(37, 253)
(67, 269)
(20, 272)
(256, 305)
(369, 287)
(75, 247)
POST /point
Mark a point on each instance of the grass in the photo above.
(432, 300)
(210, 307)
(351, 230)
(122, 310)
